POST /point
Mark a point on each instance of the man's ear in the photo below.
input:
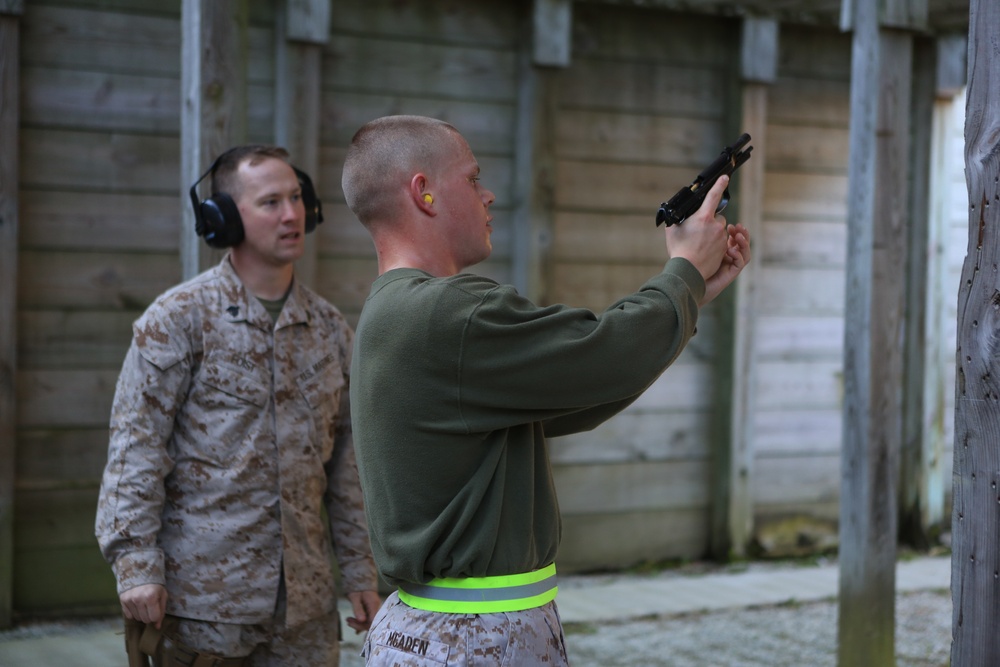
(421, 195)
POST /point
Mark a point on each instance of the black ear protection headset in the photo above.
(218, 220)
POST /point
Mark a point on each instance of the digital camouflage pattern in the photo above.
(229, 434)
(310, 644)
(402, 636)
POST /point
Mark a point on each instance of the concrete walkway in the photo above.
(581, 600)
(640, 596)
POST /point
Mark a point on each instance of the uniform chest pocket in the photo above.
(321, 388)
(229, 387)
(320, 383)
(228, 414)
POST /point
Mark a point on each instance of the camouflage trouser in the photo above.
(402, 636)
(312, 644)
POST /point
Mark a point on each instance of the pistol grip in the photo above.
(723, 202)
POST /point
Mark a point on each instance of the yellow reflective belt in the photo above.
(483, 595)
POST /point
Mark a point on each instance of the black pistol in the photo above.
(689, 199)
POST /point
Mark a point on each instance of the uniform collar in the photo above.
(238, 305)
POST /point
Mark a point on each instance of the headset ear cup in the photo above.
(221, 221)
(312, 204)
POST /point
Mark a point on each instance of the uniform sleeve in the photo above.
(344, 502)
(154, 378)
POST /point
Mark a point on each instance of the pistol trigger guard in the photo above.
(723, 202)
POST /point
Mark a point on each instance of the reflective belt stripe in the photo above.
(483, 595)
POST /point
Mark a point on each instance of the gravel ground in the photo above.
(792, 635)
(783, 636)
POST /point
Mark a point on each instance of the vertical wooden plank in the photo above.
(553, 28)
(9, 157)
(939, 354)
(534, 178)
(872, 421)
(952, 53)
(759, 50)
(307, 20)
(297, 100)
(916, 468)
(732, 479)
(908, 14)
(740, 512)
(975, 570)
(213, 104)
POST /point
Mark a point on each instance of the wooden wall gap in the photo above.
(10, 65)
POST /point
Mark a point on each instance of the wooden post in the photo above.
(303, 29)
(9, 163)
(975, 569)
(877, 215)
(213, 104)
(732, 503)
(553, 27)
(534, 184)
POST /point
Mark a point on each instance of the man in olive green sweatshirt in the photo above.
(457, 383)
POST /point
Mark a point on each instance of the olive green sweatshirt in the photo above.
(456, 382)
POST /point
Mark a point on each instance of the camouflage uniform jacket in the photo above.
(229, 433)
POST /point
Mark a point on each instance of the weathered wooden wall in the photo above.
(455, 62)
(100, 137)
(635, 120)
(799, 336)
(99, 241)
(630, 120)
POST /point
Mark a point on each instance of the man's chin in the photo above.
(291, 253)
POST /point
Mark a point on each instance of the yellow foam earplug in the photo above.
(428, 199)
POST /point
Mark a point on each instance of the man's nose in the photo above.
(292, 209)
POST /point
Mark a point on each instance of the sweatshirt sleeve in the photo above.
(570, 367)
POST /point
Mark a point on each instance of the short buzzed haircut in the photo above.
(224, 178)
(385, 151)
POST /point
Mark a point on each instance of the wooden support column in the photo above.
(10, 11)
(213, 105)
(534, 150)
(877, 213)
(975, 564)
(732, 516)
(553, 27)
(303, 30)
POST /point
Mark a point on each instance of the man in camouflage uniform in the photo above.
(230, 433)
